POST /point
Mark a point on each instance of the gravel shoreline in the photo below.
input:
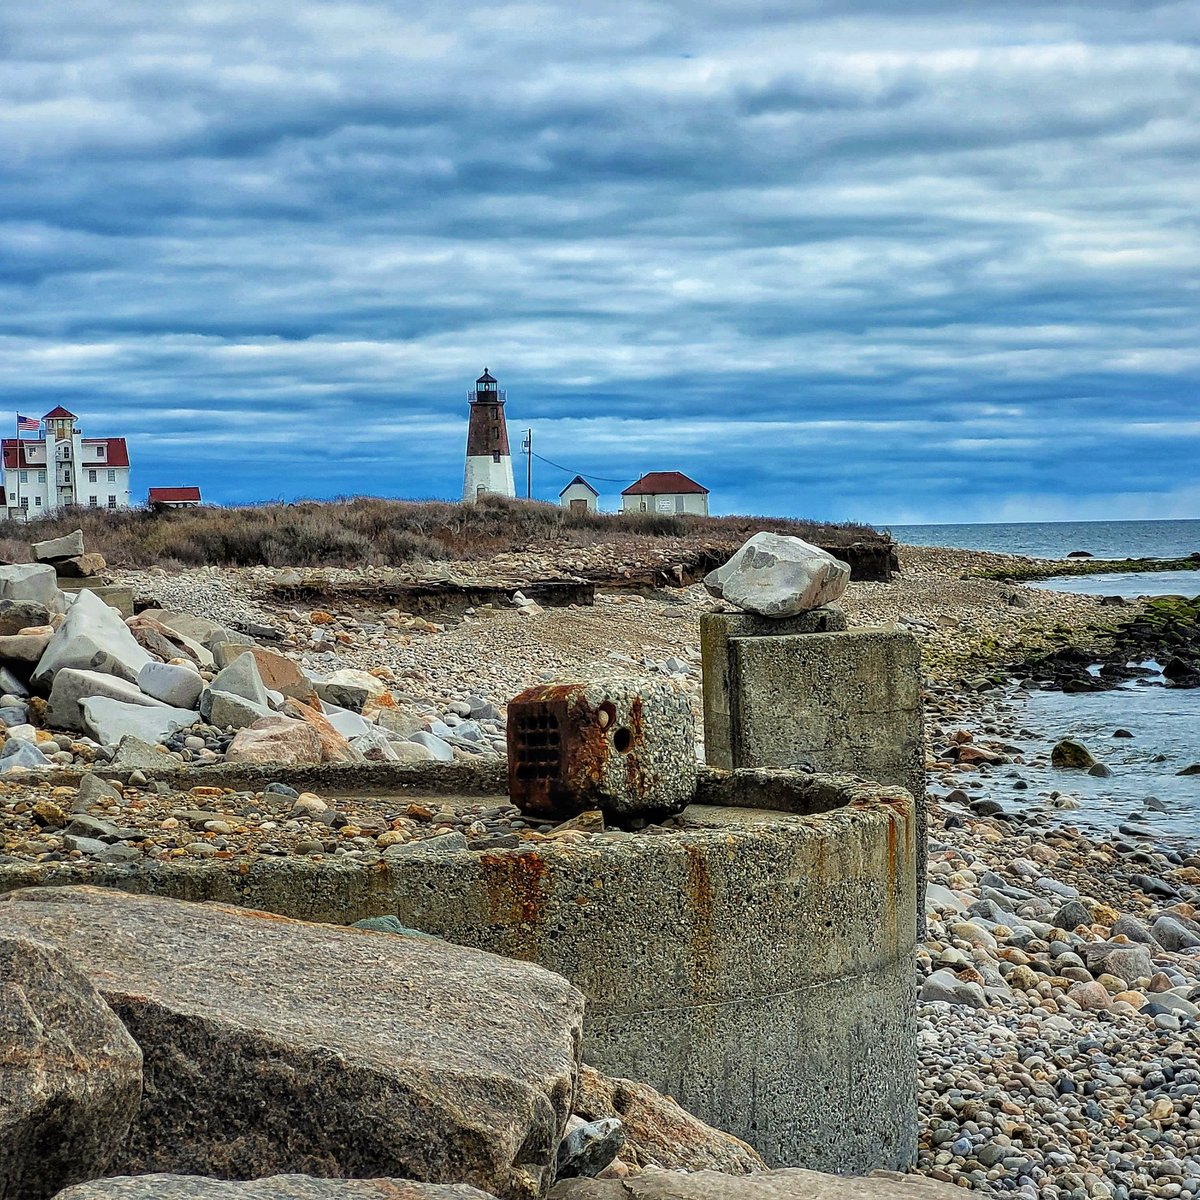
(1045, 1071)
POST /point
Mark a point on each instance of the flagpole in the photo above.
(18, 461)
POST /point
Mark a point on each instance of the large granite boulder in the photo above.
(70, 1074)
(92, 637)
(790, 1183)
(173, 684)
(658, 1133)
(275, 1046)
(277, 1187)
(29, 583)
(779, 576)
(16, 615)
(276, 739)
(241, 678)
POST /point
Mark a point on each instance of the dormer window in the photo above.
(99, 451)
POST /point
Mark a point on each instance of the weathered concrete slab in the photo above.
(382, 1055)
(115, 595)
(70, 1074)
(277, 1187)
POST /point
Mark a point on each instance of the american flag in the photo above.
(26, 424)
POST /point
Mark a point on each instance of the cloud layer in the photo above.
(888, 261)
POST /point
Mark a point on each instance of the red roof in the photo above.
(169, 494)
(116, 453)
(665, 483)
(59, 412)
(15, 446)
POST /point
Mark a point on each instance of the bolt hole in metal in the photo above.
(622, 740)
(606, 715)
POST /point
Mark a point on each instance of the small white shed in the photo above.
(665, 492)
(579, 496)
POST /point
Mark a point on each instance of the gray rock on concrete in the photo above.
(70, 545)
(241, 678)
(70, 1074)
(71, 685)
(460, 1069)
(109, 721)
(779, 576)
(29, 583)
(180, 687)
(133, 751)
(658, 1133)
(589, 1147)
(276, 1187)
(91, 637)
(788, 1184)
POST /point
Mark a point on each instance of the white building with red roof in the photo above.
(60, 468)
(174, 497)
(665, 492)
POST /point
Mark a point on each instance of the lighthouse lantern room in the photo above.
(489, 463)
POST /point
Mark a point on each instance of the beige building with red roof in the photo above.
(665, 492)
(60, 468)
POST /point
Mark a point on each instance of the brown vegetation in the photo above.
(367, 531)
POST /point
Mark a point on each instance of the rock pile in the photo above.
(68, 558)
(77, 680)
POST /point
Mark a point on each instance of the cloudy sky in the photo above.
(891, 260)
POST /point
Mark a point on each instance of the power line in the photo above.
(598, 478)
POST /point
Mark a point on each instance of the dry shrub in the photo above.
(364, 530)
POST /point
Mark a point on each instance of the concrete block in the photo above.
(115, 595)
(70, 545)
(716, 629)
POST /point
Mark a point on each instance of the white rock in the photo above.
(108, 721)
(72, 685)
(91, 637)
(177, 686)
(779, 576)
(375, 746)
(22, 733)
(440, 750)
(412, 752)
(347, 723)
(35, 583)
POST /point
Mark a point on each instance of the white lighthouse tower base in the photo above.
(488, 475)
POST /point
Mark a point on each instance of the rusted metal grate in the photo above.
(536, 744)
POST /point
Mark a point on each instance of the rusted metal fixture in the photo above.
(626, 748)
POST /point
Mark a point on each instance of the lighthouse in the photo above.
(489, 464)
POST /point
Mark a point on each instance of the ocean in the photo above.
(1057, 539)
(1145, 787)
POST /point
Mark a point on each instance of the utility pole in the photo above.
(527, 447)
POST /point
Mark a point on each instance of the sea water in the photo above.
(1165, 722)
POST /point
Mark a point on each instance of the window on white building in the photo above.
(92, 502)
(112, 477)
(99, 451)
(91, 477)
(24, 501)
(24, 476)
(37, 502)
(41, 477)
(112, 502)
